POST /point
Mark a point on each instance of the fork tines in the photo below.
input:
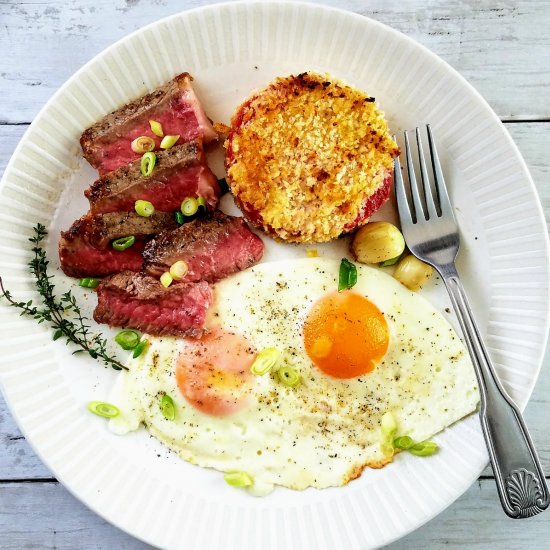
(426, 204)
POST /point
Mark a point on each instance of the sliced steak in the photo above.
(141, 302)
(212, 248)
(180, 172)
(107, 144)
(85, 249)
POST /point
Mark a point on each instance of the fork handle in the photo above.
(519, 477)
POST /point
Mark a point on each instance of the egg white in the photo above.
(326, 430)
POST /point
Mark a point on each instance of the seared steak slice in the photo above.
(212, 248)
(107, 144)
(85, 249)
(141, 302)
(180, 172)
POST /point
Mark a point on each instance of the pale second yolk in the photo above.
(213, 373)
(345, 334)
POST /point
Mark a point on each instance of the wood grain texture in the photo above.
(500, 46)
(45, 516)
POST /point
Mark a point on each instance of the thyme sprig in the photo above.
(63, 314)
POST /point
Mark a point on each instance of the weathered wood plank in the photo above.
(500, 46)
(476, 522)
(17, 459)
(45, 515)
(533, 141)
(10, 135)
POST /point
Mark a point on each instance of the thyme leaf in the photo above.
(63, 314)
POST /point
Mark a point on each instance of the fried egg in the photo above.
(360, 353)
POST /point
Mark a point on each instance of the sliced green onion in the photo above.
(224, 188)
(178, 270)
(156, 128)
(347, 276)
(127, 339)
(167, 407)
(148, 161)
(166, 279)
(201, 202)
(169, 141)
(103, 409)
(426, 448)
(189, 206)
(89, 282)
(140, 348)
(388, 428)
(180, 218)
(123, 243)
(266, 360)
(288, 376)
(390, 262)
(403, 442)
(144, 208)
(238, 479)
(143, 144)
(388, 424)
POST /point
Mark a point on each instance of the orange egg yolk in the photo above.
(345, 334)
(213, 373)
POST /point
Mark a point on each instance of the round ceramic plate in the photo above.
(231, 49)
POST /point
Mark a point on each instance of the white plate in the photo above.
(231, 49)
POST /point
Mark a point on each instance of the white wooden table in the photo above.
(502, 47)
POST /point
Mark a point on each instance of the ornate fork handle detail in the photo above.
(525, 494)
(520, 480)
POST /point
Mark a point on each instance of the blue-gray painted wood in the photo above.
(500, 46)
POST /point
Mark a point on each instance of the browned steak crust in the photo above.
(85, 249)
(213, 248)
(138, 301)
(107, 144)
(180, 172)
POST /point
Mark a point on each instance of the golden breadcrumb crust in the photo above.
(305, 154)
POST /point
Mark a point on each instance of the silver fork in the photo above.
(432, 236)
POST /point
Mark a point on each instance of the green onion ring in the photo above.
(426, 448)
(144, 208)
(148, 161)
(266, 360)
(168, 141)
(123, 243)
(156, 128)
(89, 282)
(189, 206)
(143, 144)
(238, 479)
(288, 376)
(140, 348)
(127, 339)
(167, 407)
(103, 409)
(403, 442)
